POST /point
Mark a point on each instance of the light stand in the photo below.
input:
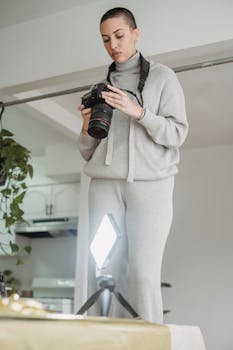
(106, 291)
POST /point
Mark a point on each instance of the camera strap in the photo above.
(144, 72)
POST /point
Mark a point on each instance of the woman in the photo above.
(132, 170)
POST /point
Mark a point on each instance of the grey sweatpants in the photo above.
(143, 211)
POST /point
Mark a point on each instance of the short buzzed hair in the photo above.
(120, 11)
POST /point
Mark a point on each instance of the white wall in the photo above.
(69, 41)
(198, 257)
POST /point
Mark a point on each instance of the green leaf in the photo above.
(30, 170)
(5, 132)
(15, 210)
(21, 177)
(28, 249)
(14, 247)
(19, 198)
(15, 162)
(8, 142)
(9, 221)
(23, 186)
(6, 192)
(15, 189)
(19, 260)
(7, 272)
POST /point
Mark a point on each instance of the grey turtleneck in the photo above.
(146, 149)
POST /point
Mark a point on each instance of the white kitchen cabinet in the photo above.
(65, 200)
(51, 201)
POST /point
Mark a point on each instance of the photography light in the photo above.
(104, 241)
(102, 247)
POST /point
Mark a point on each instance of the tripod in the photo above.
(106, 292)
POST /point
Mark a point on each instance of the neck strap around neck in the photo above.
(144, 72)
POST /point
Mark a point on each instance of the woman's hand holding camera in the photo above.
(86, 114)
(115, 98)
(119, 99)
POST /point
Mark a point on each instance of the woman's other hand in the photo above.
(86, 114)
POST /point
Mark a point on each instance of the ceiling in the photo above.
(208, 91)
(17, 11)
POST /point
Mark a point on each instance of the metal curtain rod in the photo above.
(87, 87)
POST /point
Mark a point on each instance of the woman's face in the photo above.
(119, 38)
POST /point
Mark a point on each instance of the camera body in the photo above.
(101, 115)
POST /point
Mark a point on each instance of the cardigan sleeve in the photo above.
(87, 146)
(169, 128)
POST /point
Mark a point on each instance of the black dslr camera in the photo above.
(101, 115)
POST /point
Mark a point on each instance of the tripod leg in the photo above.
(106, 300)
(126, 305)
(89, 302)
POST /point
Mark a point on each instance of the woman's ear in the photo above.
(136, 34)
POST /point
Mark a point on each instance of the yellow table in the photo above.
(26, 325)
(87, 334)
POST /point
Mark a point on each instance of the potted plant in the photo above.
(13, 283)
(15, 167)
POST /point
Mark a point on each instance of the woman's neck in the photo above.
(132, 62)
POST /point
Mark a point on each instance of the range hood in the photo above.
(52, 227)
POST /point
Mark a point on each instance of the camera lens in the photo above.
(100, 121)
